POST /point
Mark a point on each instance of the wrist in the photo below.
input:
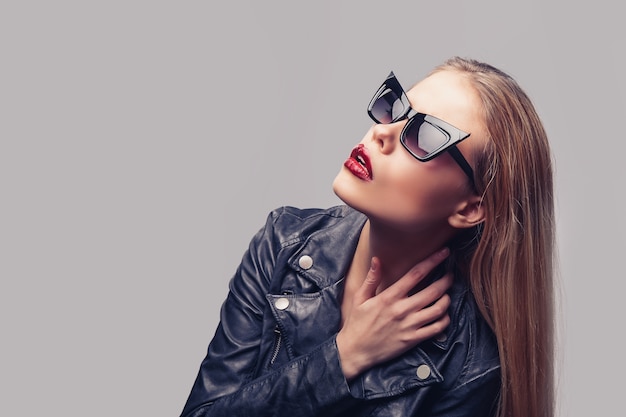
(347, 359)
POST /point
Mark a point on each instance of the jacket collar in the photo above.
(330, 249)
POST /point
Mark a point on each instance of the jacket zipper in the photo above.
(278, 337)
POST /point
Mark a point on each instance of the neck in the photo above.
(398, 251)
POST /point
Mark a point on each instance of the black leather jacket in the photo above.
(274, 352)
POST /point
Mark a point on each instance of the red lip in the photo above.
(359, 163)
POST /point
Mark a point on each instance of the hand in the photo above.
(385, 325)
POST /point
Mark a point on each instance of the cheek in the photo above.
(410, 195)
(423, 192)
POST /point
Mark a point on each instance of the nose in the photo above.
(387, 136)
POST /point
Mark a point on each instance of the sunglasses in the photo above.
(424, 136)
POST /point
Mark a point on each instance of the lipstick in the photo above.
(359, 163)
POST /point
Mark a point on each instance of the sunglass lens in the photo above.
(387, 107)
(423, 139)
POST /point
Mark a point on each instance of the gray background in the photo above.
(144, 142)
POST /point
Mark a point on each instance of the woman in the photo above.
(428, 294)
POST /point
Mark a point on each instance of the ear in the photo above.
(469, 213)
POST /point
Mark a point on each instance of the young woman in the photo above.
(428, 294)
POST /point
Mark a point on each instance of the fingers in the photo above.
(432, 329)
(417, 273)
(371, 283)
(431, 293)
(426, 306)
(435, 312)
(427, 323)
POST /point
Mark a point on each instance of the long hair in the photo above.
(511, 263)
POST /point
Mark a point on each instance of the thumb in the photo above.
(372, 280)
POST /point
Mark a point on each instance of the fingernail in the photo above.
(372, 265)
(444, 252)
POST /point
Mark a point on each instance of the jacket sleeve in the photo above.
(477, 397)
(226, 386)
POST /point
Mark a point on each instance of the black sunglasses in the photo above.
(424, 136)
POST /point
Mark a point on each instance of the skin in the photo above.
(413, 209)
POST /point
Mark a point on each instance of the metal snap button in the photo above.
(282, 303)
(305, 262)
(423, 371)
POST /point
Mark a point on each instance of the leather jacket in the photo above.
(274, 351)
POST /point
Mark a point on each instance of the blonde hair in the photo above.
(511, 263)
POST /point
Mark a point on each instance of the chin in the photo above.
(351, 197)
(345, 190)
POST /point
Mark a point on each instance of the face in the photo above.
(385, 182)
